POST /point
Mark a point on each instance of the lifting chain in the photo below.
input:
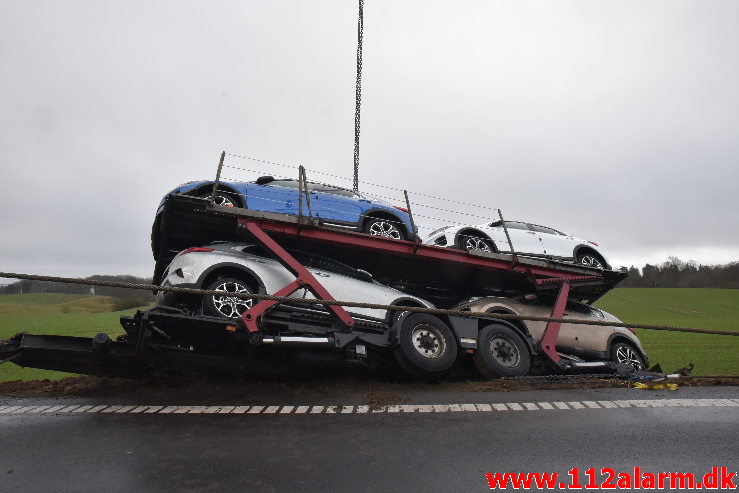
(357, 108)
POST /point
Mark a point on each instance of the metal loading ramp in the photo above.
(444, 276)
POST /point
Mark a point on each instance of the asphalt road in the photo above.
(423, 441)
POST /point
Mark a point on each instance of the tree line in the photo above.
(133, 297)
(673, 273)
(676, 273)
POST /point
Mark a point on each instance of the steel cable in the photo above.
(433, 311)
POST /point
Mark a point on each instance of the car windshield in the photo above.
(320, 262)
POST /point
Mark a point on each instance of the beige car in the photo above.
(507, 348)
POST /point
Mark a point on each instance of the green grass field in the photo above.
(56, 314)
(683, 307)
(84, 316)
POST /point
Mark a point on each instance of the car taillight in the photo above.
(402, 209)
(195, 249)
(631, 330)
(592, 243)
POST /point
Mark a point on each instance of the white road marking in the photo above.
(367, 409)
(23, 409)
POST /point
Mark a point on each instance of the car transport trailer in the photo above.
(425, 342)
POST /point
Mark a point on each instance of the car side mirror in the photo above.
(263, 180)
(366, 274)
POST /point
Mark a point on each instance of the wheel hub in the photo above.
(504, 351)
(428, 341)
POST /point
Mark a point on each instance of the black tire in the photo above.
(426, 346)
(387, 228)
(225, 306)
(474, 242)
(501, 352)
(221, 198)
(625, 353)
(591, 259)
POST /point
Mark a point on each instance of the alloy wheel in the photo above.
(385, 229)
(231, 306)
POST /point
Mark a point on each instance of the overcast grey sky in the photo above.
(616, 121)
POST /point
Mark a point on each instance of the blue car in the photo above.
(335, 206)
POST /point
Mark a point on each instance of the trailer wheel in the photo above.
(624, 353)
(501, 352)
(225, 305)
(426, 346)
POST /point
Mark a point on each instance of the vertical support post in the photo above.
(218, 178)
(508, 237)
(413, 224)
(300, 197)
(551, 332)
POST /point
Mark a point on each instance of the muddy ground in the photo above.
(372, 390)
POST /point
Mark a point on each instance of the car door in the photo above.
(555, 243)
(336, 204)
(524, 240)
(276, 196)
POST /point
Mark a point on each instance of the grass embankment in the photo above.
(682, 307)
(55, 314)
(84, 316)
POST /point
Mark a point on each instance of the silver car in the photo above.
(504, 352)
(244, 268)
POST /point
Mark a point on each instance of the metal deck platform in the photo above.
(444, 276)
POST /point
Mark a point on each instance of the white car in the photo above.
(243, 268)
(530, 240)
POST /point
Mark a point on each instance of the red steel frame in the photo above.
(551, 332)
(412, 249)
(304, 279)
